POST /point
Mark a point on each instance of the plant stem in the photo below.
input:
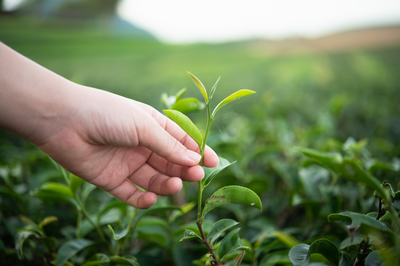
(207, 244)
(86, 214)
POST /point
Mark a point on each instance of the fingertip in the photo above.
(210, 158)
(172, 185)
(147, 200)
(194, 173)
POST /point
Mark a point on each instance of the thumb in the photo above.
(154, 137)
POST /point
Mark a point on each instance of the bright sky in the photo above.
(189, 21)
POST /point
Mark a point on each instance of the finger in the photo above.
(210, 157)
(130, 194)
(151, 180)
(192, 174)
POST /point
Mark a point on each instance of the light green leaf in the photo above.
(111, 205)
(218, 228)
(186, 124)
(125, 260)
(287, 239)
(300, 255)
(97, 259)
(214, 88)
(56, 191)
(200, 86)
(230, 243)
(117, 235)
(47, 220)
(75, 183)
(70, 249)
(188, 105)
(232, 194)
(234, 96)
(189, 234)
(184, 209)
(275, 258)
(211, 173)
(180, 94)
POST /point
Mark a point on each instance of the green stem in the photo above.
(86, 214)
(78, 225)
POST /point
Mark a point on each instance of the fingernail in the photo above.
(194, 156)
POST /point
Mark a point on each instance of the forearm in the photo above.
(33, 100)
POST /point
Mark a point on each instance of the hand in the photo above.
(107, 140)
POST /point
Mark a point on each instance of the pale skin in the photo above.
(105, 139)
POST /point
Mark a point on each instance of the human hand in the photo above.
(112, 142)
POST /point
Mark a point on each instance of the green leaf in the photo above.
(230, 243)
(111, 205)
(239, 258)
(200, 86)
(75, 183)
(70, 249)
(154, 208)
(373, 259)
(214, 88)
(188, 105)
(47, 220)
(287, 239)
(364, 224)
(21, 236)
(300, 254)
(211, 173)
(218, 228)
(189, 234)
(275, 258)
(345, 260)
(97, 259)
(180, 94)
(234, 96)
(125, 260)
(49, 242)
(117, 235)
(186, 124)
(232, 194)
(184, 209)
(56, 191)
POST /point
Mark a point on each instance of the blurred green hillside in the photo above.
(357, 91)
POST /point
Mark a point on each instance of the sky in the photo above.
(190, 21)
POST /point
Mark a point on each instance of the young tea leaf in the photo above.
(189, 234)
(180, 94)
(186, 124)
(234, 96)
(47, 220)
(210, 173)
(218, 228)
(200, 86)
(56, 191)
(232, 194)
(214, 88)
(188, 105)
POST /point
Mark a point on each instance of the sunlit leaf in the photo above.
(200, 86)
(75, 183)
(232, 194)
(189, 234)
(287, 239)
(188, 105)
(56, 191)
(211, 173)
(180, 94)
(70, 249)
(300, 255)
(47, 220)
(234, 96)
(186, 124)
(214, 88)
(218, 228)
(230, 243)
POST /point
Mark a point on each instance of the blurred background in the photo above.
(326, 73)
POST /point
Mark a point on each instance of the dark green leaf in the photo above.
(234, 96)
(188, 105)
(189, 234)
(49, 242)
(97, 259)
(218, 228)
(210, 173)
(239, 258)
(200, 86)
(56, 191)
(21, 236)
(345, 259)
(230, 243)
(373, 259)
(70, 249)
(214, 88)
(299, 255)
(326, 248)
(125, 260)
(186, 124)
(232, 194)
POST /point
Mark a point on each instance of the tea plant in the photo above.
(218, 251)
